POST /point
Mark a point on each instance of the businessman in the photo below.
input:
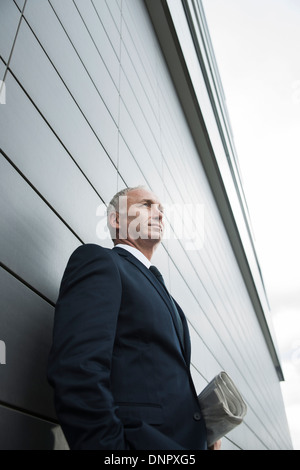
(120, 358)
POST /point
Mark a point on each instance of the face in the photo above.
(141, 217)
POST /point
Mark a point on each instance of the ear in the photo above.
(114, 220)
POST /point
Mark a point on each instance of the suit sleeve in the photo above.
(80, 359)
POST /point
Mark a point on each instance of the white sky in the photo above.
(257, 47)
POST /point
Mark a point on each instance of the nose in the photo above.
(157, 212)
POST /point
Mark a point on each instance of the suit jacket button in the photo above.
(197, 416)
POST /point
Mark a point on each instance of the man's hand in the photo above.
(216, 445)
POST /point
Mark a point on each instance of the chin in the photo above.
(155, 234)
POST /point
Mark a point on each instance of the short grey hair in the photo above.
(113, 206)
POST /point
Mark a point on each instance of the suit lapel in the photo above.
(155, 282)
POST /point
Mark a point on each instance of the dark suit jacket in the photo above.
(121, 377)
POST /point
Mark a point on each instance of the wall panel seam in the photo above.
(58, 138)
(73, 98)
(92, 38)
(39, 194)
(81, 60)
(27, 413)
(25, 283)
(14, 42)
(145, 52)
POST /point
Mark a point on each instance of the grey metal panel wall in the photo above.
(91, 108)
(21, 431)
(9, 21)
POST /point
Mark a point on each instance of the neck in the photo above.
(146, 248)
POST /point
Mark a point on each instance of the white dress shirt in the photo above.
(137, 253)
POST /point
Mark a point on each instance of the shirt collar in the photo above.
(137, 253)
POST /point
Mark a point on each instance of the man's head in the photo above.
(135, 217)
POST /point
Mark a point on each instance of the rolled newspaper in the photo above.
(222, 406)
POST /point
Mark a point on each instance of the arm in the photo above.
(80, 359)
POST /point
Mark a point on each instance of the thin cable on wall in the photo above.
(119, 103)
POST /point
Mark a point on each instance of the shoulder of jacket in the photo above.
(91, 250)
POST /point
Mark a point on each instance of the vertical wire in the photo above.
(119, 104)
(161, 151)
(13, 46)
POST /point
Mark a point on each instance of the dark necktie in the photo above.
(159, 276)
